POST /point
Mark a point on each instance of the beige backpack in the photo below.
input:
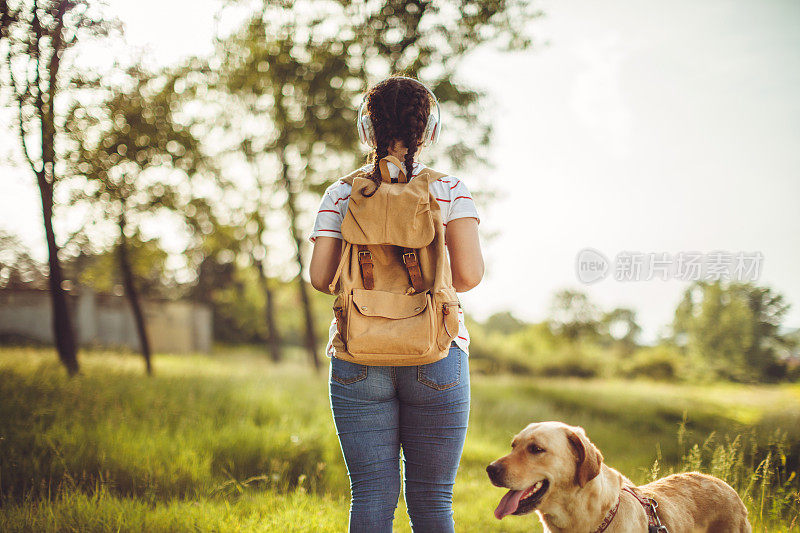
(395, 302)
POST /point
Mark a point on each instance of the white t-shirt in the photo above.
(454, 200)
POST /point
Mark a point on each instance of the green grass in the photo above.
(235, 443)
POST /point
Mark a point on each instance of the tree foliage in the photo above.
(619, 328)
(573, 316)
(135, 129)
(734, 328)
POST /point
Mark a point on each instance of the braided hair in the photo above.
(399, 110)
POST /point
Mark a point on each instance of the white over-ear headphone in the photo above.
(366, 132)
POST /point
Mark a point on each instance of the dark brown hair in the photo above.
(399, 111)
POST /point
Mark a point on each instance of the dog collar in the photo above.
(608, 519)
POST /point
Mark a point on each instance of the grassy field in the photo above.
(233, 443)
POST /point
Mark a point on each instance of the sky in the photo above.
(632, 127)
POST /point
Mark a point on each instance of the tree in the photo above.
(734, 327)
(619, 327)
(116, 147)
(100, 269)
(249, 203)
(504, 323)
(258, 209)
(227, 256)
(768, 311)
(34, 38)
(212, 256)
(258, 254)
(300, 67)
(573, 316)
(303, 118)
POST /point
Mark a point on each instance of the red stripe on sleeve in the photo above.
(330, 230)
(328, 211)
(340, 199)
(442, 200)
(457, 197)
(454, 186)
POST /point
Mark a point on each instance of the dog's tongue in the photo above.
(508, 504)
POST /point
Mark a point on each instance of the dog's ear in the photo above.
(589, 457)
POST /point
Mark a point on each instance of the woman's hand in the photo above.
(324, 261)
(466, 259)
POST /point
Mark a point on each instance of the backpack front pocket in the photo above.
(380, 322)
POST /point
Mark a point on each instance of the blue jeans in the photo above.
(422, 409)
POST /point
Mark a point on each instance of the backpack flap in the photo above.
(389, 304)
(398, 214)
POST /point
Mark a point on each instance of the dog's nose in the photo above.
(494, 471)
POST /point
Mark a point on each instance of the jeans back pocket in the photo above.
(444, 373)
(345, 372)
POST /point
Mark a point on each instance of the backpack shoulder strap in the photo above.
(431, 174)
(352, 176)
(344, 258)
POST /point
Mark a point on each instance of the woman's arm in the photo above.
(466, 259)
(324, 261)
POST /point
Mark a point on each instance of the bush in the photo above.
(532, 350)
(657, 362)
(573, 361)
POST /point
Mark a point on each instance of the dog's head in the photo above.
(546, 458)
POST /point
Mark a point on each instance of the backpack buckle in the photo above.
(365, 260)
(409, 257)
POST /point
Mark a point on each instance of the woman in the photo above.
(423, 410)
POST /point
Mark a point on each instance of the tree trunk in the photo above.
(62, 321)
(291, 208)
(133, 296)
(273, 337)
(46, 175)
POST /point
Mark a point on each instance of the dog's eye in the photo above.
(534, 449)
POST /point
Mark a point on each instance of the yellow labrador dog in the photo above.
(555, 470)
